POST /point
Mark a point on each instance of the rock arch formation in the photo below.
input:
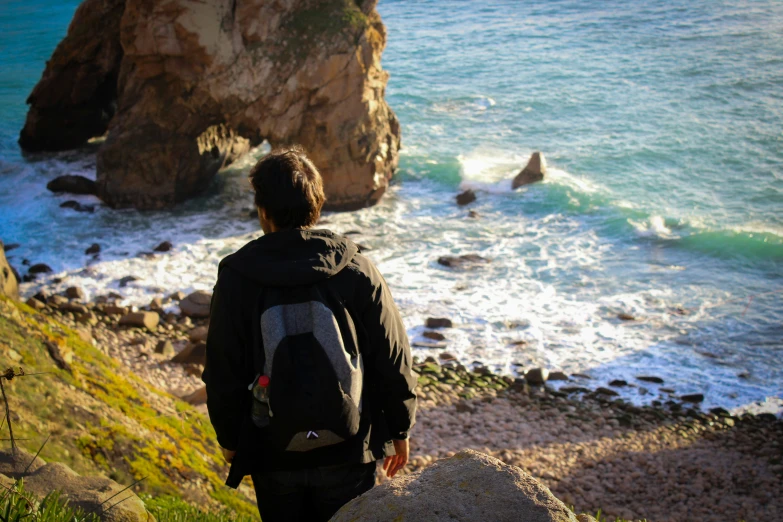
(182, 87)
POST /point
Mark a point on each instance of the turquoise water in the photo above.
(663, 130)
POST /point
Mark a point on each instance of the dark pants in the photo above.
(310, 494)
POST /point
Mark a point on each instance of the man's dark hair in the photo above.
(289, 188)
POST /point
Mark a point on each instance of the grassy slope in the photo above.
(104, 420)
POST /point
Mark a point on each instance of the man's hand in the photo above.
(391, 465)
(228, 454)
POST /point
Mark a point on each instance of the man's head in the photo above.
(289, 190)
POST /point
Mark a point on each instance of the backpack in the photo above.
(310, 353)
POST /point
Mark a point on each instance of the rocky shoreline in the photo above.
(667, 461)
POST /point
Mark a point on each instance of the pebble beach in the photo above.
(672, 462)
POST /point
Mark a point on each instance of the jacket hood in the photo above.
(292, 257)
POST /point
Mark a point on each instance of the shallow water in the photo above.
(662, 129)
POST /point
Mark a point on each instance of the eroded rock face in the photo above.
(76, 96)
(534, 171)
(468, 486)
(200, 82)
(9, 286)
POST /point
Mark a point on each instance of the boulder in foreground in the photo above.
(466, 487)
(92, 494)
(534, 171)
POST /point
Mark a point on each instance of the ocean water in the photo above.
(663, 129)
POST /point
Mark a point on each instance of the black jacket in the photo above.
(295, 258)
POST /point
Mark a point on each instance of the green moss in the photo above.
(323, 22)
(104, 419)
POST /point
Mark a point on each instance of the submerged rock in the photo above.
(462, 261)
(72, 185)
(469, 486)
(78, 207)
(95, 248)
(435, 336)
(469, 196)
(163, 247)
(201, 82)
(438, 322)
(39, 268)
(534, 171)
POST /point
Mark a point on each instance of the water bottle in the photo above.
(260, 412)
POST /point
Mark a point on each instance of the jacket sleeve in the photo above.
(225, 370)
(391, 359)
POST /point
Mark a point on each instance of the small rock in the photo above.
(60, 355)
(606, 391)
(74, 292)
(438, 322)
(461, 261)
(56, 301)
(196, 304)
(72, 185)
(429, 345)
(35, 304)
(156, 303)
(75, 308)
(469, 196)
(534, 171)
(648, 378)
(693, 397)
(88, 318)
(473, 214)
(95, 248)
(165, 347)
(127, 279)
(446, 356)
(196, 370)
(626, 317)
(574, 389)
(147, 320)
(537, 376)
(198, 334)
(115, 310)
(39, 268)
(78, 207)
(557, 376)
(618, 383)
(194, 353)
(435, 336)
(197, 397)
(163, 247)
(177, 296)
